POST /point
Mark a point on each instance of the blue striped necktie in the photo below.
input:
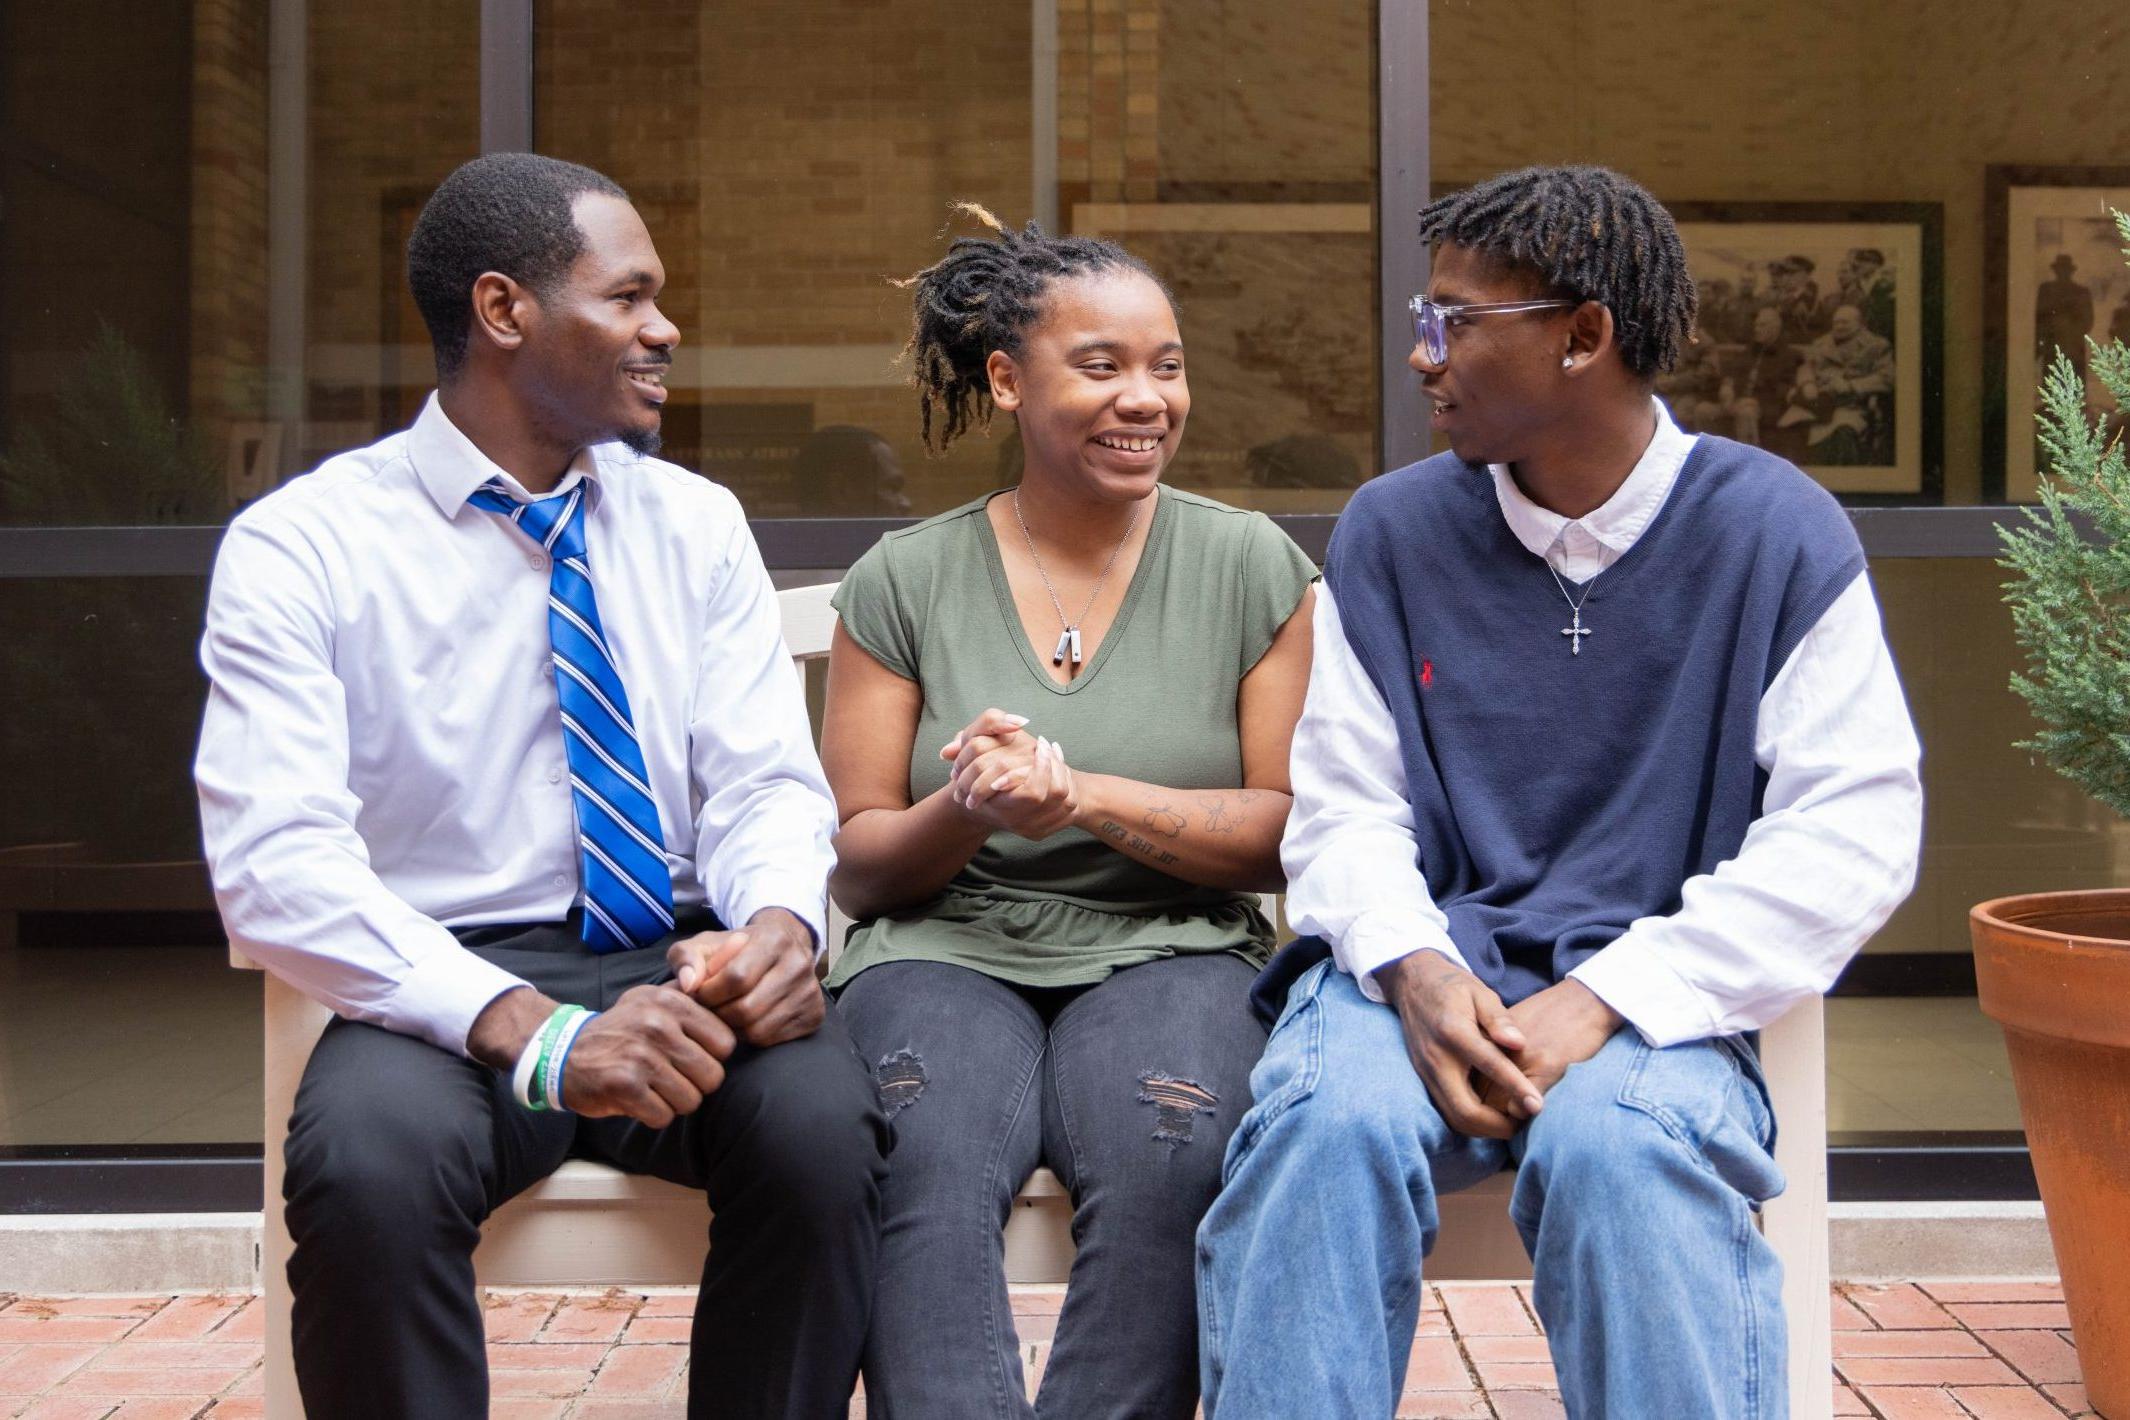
(628, 893)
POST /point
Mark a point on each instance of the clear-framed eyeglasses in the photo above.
(1431, 322)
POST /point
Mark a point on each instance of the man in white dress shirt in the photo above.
(1604, 765)
(502, 739)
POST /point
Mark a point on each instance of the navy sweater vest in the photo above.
(1557, 797)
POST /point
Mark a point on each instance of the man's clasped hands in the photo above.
(660, 1050)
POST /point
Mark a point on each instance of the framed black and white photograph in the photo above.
(1821, 338)
(2054, 276)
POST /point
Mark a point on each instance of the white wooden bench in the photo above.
(589, 1225)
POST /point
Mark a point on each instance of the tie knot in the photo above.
(553, 521)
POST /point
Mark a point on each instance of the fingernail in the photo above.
(1017, 720)
(1000, 782)
(1533, 1103)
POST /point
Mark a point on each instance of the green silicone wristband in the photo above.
(544, 1043)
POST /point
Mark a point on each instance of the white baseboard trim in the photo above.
(218, 1252)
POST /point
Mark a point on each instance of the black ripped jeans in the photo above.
(1128, 1091)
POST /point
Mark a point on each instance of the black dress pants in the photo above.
(397, 1151)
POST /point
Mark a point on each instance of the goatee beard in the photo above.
(643, 442)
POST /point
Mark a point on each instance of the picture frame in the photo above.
(1855, 399)
(2038, 219)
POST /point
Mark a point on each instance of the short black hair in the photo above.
(506, 212)
(1589, 234)
(983, 295)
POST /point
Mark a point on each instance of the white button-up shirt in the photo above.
(1831, 855)
(382, 754)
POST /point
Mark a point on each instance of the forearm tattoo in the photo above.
(1111, 829)
(1226, 814)
(1162, 819)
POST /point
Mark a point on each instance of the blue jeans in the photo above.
(1635, 1193)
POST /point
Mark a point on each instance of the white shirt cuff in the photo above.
(1635, 980)
(1382, 936)
(439, 1000)
(804, 898)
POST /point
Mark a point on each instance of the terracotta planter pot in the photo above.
(2054, 970)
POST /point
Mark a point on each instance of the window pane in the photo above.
(120, 1021)
(791, 161)
(394, 105)
(97, 266)
(1734, 105)
(182, 325)
(1996, 822)
(1248, 181)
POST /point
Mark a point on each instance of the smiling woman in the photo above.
(1015, 903)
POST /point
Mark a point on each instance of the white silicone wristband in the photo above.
(521, 1077)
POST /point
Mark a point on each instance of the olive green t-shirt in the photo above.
(1156, 702)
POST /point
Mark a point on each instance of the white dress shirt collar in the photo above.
(451, 466)
(1582, 547)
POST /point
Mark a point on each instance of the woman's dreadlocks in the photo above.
(984, 295)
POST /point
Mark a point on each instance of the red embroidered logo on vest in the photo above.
(1427, 674)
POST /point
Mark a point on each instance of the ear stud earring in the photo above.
(1567, 362)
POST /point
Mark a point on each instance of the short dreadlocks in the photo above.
(1590, 234)
(984, 295)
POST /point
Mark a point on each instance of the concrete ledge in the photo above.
(194, 1252)
(1875, 1242)
(129, 1252)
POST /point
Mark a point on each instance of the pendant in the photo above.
(1065, 644)
(1074, 632)
(1576, 632)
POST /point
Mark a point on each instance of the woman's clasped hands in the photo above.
(1011, 779)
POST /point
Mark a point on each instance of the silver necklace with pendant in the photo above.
(1575, 631)
(1069, 635)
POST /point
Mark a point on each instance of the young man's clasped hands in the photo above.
(1488, 1066)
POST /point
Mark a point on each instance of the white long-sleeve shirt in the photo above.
(1832, 854)
(382, 754)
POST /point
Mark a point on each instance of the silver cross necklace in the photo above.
(1575, 631)
(1069, 637)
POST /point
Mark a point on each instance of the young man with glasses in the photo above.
(1604, 765)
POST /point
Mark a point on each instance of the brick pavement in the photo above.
(1905, 1351)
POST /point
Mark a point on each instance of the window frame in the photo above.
(219, 1177)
